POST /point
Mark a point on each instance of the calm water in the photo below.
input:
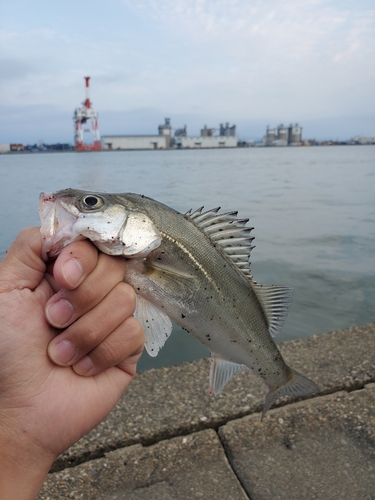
(313, 210)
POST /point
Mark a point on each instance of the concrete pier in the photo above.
(169, 439)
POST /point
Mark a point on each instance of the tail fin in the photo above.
(297, 385)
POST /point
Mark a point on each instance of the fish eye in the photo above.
(92, 202)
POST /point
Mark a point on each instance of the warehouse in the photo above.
(116, 142)
(214, 141)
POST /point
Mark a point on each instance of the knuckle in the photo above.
(135, 332)
(92, 334)
(113, 263)
(126, 295)
(89, 292)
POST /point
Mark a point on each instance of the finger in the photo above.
(73, 265)
(67, 306)
(122, 348)
(23, 267)
(90, 330)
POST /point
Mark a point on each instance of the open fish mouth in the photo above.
(57, 226)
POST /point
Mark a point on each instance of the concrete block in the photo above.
(173, 401)
(320, 449)
(183, 468)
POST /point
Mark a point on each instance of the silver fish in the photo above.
(193, 269)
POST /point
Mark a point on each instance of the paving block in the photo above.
(183, 468)
(173, 401)
(320, 449)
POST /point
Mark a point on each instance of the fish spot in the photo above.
(183, 316)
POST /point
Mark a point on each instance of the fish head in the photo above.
(115, 228)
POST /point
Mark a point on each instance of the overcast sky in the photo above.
(200, 62)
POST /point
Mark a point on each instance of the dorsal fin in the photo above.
(276, 301)
(230, 232)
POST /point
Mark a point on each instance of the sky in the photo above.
(251, 63)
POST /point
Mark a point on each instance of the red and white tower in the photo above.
(83, 115)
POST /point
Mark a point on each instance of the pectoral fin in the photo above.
(221, 372)
(155, 323)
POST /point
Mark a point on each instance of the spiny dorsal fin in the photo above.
(276, 301)
(230, 232)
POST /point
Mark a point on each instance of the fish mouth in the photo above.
(56, 226)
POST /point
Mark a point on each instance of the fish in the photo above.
(193, 269)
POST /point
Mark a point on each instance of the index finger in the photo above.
(22, 266)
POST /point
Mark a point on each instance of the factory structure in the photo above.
(83, 116)
(283, 136)
(166, 139)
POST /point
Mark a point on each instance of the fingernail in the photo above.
(83, 366)
(59, 313)
(72, 272)
(63, 352)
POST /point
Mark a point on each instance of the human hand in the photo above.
(44, 407)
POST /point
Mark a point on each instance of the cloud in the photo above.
(12, 69)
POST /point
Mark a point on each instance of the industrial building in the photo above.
(4, 148)
(227, 138)
(283, 135)
(134, 142)
(161, 141)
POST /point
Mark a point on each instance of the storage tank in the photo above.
(295, 134)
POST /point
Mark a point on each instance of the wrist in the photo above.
(23, 465)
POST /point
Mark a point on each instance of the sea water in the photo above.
(313, 210)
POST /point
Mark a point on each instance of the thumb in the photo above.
(23, 267)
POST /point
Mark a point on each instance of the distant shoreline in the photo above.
(328, 144)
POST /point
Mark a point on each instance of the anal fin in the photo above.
(221, 371)
(155, 323)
